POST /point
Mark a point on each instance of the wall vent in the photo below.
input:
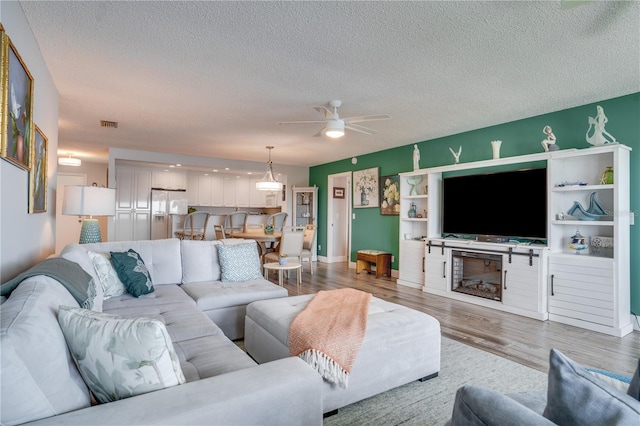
(109, 124)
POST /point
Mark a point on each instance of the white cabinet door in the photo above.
(217, 191)
(133, 205)
(257, 198)
(168, 180)
(229, 193)
(411, 268)
(204, 191)
(520, 288)
(193, 189)
(436, 269)
(581, 290)
(242, 192)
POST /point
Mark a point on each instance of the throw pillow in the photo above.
(615, 380)
(119, 357)
(132, 272)
(576, 397)
(478, 406)
(239, 262)
(111, 284)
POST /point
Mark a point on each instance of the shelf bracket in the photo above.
(510, 253)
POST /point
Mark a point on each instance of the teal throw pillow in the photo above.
(576, 397)
(239, 262)
(132, 272)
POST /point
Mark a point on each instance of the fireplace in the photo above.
(477, 274)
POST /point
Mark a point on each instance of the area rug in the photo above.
(431, 402)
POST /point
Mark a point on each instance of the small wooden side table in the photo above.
(275, 266)
(382, 260)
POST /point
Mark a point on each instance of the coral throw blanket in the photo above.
(328, 333)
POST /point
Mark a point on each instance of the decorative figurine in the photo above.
(456, 156)
(495, 146)
(416, 157)
(577, 242)
(599, 136)
(414, 181)
(549, 144)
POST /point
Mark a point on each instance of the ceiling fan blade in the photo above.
(363, 118)
(302, 122)
(360, 129)
(327, 112)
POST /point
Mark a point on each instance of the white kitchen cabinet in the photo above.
(229, 191)
(243, 191)
(133, 205)
(169, 179)
(412, 255)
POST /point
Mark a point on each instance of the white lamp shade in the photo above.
(88, 201)
(268, 186)
(334, 128)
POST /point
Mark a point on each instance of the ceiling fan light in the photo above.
(334, 129)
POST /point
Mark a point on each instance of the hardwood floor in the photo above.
(523, 340)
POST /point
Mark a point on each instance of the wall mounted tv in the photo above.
(503, 204)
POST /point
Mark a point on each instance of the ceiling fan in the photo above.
(335, 126)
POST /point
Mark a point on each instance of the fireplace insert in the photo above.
(477, 274)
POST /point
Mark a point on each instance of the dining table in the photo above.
(260, 237)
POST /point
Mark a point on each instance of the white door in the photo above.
(339, 218)
(67, 227)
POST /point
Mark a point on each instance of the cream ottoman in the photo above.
(400, 345)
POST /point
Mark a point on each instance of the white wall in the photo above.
(25, 238)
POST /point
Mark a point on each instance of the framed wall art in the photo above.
(390, 195)
(17, 107)
(365, 188)
(38, 173)
(338, 192)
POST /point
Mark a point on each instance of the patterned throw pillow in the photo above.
(132, 272)
(111, 284)
(239, 262)
(119, 357)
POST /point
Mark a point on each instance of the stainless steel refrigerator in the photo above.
(166, 207)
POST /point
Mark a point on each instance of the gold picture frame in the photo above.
(16, 106)
(38, 173)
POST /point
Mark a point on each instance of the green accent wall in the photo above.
(371, 230)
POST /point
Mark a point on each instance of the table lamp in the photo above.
(89, 201)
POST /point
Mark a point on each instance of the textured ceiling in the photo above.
(214, 78)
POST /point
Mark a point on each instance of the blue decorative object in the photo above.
(578, 242)
(594, 212)
(90, 231)
(414, 181)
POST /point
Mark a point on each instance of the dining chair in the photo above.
(291, 243)
(219, 230)
(307, 245)
(194, 226)
(236, 222)
(277, 221)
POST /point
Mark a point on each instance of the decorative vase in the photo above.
(268, 230)
(412, 210)
(363, 199)
(607, 176)
(282, 261)
(495, 145)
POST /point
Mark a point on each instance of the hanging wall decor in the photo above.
(17, 107)
(365, 188)
(390, 194)
(38, 174)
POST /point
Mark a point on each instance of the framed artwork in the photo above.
(390, 195)
(38, 174)
(17, 107)
(338, 192)
(365, 188)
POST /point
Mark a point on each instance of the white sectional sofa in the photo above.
(40, 381)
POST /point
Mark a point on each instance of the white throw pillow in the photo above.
(111, 285)
(119, 357)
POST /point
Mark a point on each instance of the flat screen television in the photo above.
(504, 204)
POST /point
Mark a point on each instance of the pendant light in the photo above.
(268, 182)
(69, 161)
